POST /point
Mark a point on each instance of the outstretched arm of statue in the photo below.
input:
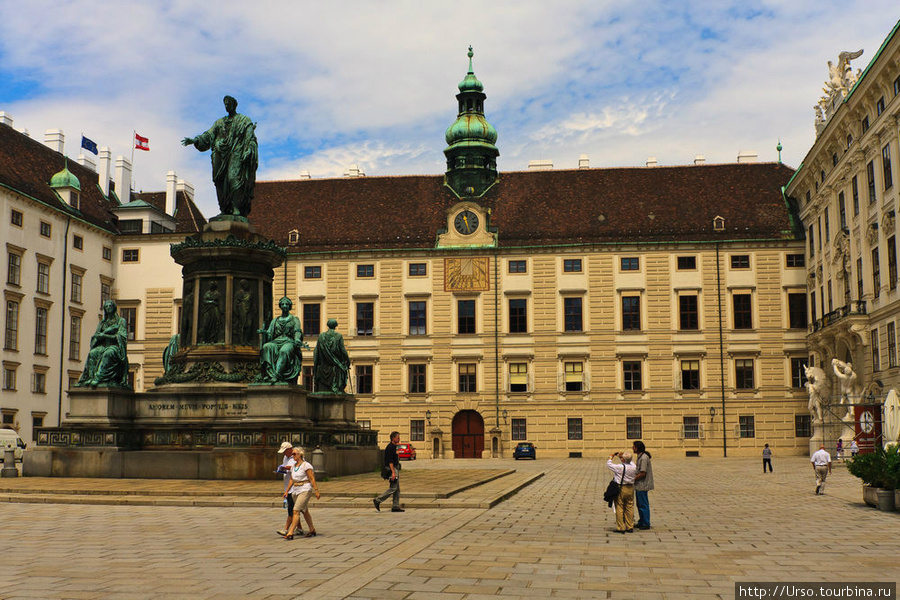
(187, 141)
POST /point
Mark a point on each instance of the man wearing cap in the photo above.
(821, 462)
(286, 463)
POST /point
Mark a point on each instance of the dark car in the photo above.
(524, 450)
(406, 451)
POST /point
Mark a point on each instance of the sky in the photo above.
(373, 83)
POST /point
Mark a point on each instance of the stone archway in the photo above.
(468, 434)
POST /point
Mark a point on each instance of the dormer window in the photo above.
(293, 237)
(75, 200)
(719, 224)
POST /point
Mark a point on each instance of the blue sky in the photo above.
(373, 83)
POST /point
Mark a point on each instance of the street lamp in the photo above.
(428, 416)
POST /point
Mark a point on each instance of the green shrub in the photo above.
(879, 469)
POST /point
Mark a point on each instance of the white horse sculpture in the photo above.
(818, 388)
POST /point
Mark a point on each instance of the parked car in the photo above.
(406, 451)
(524, 450)
(9, 438)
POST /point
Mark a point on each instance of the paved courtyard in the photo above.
(715, 521)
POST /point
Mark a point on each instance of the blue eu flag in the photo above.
(89, 145)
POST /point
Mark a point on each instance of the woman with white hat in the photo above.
(286, 463)
(302, 484)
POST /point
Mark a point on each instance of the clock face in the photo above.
(466, 222)
(867, 422)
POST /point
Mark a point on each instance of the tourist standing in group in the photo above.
(767, 459)
(643, 483)
(301, 486)
(286, 463)
(624, 472)
(391, 460)
(821, 462)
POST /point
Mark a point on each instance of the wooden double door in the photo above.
(468, 434)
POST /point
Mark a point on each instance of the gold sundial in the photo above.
(467, 274)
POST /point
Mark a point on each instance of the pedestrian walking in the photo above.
(285, 469)
(391, 461)
(301, 486)
(854, 449)
(624, 472)
(767, 458)
(839, 450)
(643, 483)
(821, 462)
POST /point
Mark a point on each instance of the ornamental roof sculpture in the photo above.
(841, 80)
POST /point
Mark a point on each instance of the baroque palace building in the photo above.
(578, 309)
(847, 190)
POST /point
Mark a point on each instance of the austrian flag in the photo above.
(141, 143)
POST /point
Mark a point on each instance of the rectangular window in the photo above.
(879, 106)
(418, 269)
(312, 318)
(518, 315)
(892, 345)
(417, 378)
(78, 242)
(43, 278)
(746, 426)
(842, 210)
(16, 218)
(467, 381)
(630, 263)
(870, 179)
(812, 244)
(854, 188)
(131, 225)
(365, 271)
(574, 429)
(417, 317)
(309, 382)
(14, 272)
(417, 430)
(802, 426)
(131, 255)
(107, 253)
(39, 383)
(11, 339)
(687, 263)
(631, 376)
(574, 376)
(859, 280)
(45, 229)
(743, 311)
(365, 318)
(633, 428)
(876, 351)
(812, 304)
(517, 266)
(130, 316)
(690, 374)
(688, 315)
(865, 124)
(886, 166)
(740, 261)
(364, 379)
(743, 373)
(77, 282)
(631, 313)
(519, 430)
(897, 86)
(690, 427)
(572, 312)
(892, 262)
(876, 273)
(797, 311)
(572, 265)
(798, 372)
(465, 317)
(75, 338)
(40, 330)
(312, 272)
(9, 378)
(827, 225)
(795, 260)
(518, 377)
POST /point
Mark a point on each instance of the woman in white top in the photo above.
(624, 474)
(302, 483)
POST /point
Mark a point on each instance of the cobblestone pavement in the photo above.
(715, 522)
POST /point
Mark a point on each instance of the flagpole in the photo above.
(133, 134)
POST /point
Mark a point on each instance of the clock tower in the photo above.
(471, 153)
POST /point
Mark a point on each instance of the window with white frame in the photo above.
(574, 376)
(518, 377)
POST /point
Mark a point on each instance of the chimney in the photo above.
(305, 175)
(55, 139)
(746, 156)
(24, 131)
(87, 161)
(651, 161)
(5, 119)
(699, 160)
(542, 164)
(354, 171)
(171, 190)
(184, 186)
(105, 160)
(122, 179)
(584, 162)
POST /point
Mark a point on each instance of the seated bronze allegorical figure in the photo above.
(281, 357)
(107, 360)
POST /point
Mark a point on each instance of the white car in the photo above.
(10, 439)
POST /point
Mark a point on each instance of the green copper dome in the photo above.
(470, 83)
(471, 128)
(65, 178)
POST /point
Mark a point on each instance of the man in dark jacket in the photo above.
(391, 460)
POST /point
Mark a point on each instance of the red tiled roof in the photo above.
(188, 218)
(579, 206)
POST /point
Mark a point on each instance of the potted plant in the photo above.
(877, 470)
